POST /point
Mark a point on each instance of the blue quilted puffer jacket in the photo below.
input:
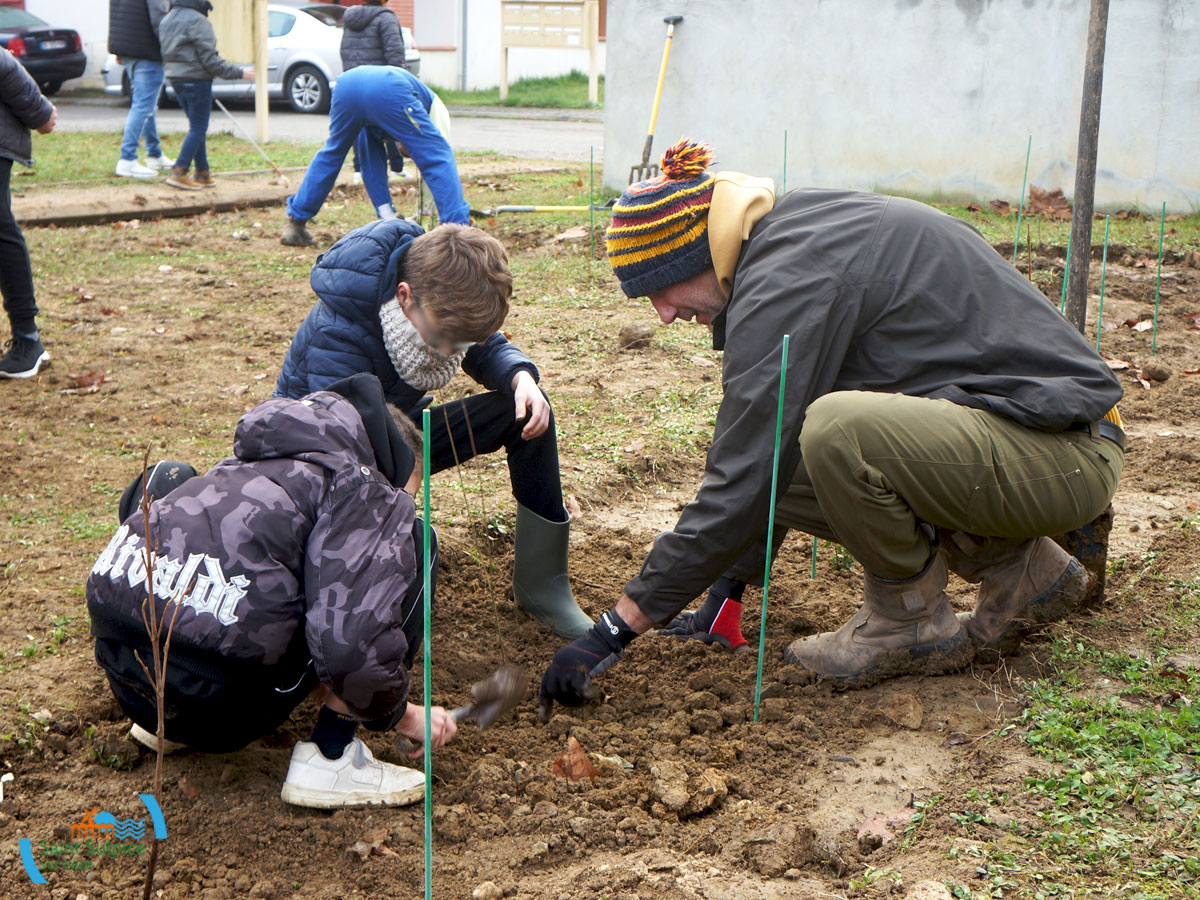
(342, 336)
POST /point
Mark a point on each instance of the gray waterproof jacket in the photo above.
(189, 44)
(295, 548)
(371, 37)
(878, 294)
(22, 107)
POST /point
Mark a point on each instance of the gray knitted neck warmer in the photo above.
(415, 361)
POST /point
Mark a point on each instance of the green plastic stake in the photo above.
(1162, 230)
(762, 625)
(428, 677)
(1062, 307)
(1103, 270)
(1021, 206)
(816, 541)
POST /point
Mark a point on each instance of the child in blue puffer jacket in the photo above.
(412, 308)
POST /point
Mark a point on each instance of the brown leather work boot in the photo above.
(1023, 583)
(203, 177)
(903, 628)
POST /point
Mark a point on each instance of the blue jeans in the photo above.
(196, 99)
(145, 83)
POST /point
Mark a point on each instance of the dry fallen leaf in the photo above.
(88, 379)
(877, 825)
(701, 361)
(1048, 203)
(1115, 364)
(1144, 325)
(1003, 207)
(574, 764)
(636, 446)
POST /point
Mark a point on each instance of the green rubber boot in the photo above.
(540, 583)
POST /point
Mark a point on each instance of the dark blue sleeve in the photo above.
(326, 348)
(494, 363)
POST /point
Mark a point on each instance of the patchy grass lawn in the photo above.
(557, 92)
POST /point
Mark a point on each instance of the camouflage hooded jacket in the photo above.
(295, 548)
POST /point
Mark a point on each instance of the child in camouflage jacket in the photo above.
(296, 566)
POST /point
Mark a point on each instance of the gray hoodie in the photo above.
(189, 45)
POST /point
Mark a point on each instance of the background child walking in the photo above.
(191, 61)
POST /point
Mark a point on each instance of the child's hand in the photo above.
(529, 400)
(442, 726)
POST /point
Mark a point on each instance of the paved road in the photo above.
(527, 137)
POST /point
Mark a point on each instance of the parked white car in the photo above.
(303, 58)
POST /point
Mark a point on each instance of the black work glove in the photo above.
(568, 678)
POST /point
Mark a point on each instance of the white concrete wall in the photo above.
(437, 23)
(927, 97)
(90, 19)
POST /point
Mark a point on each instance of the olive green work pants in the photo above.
(876, 466)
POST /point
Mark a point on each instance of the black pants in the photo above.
(16, 274)
(218, 705)
(483, 423)
(394, 157)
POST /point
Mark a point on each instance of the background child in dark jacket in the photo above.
(191, 62)
(22, 107)
(292, 566)
(412, 308)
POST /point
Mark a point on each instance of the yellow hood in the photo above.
(738, 202)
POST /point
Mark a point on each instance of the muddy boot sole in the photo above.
(1052, 605)
(951, 655)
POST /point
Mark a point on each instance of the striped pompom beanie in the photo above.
(659, 231)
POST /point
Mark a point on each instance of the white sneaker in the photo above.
(356, 178)
(357, 779)
(150, 741)
(162, 163)
(131, 168)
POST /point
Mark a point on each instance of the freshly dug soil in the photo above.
(692, 798)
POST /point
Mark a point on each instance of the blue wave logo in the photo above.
(123, 829)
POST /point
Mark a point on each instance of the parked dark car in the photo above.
(50, 55)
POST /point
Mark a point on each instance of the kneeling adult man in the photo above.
(939, 413)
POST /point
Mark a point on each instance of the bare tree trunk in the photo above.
(160, 648)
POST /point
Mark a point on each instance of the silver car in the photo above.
(303, 58)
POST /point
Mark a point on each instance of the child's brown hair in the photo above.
(460, 276)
